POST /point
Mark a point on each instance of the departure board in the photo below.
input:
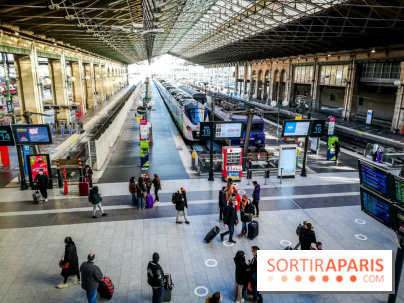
(399, 189)
(399, 228)
(373, 177)
(377, 207)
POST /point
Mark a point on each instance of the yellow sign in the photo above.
(179, 137)
(74, 139)
(298, 117)
(138, 119)
(360, 133)
(298, 151)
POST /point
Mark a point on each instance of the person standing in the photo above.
(157, 186)
(133, 190)
(222, 202)
(90, 278)
(71, 258)
(41, 181)
(307, 236)
(257, 297)
(215, 298)
(95, 198)
(141, 193)
(88, 173)
(148, 182)
(230, 190)
(244, 211)
(155, 278)
(181, 205)
(256, 197)
(230, 218)
(337, 150)
(241, 276)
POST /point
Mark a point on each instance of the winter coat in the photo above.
(307, 236)
(141, 187)
(253, 270)
(222, 199)
(155, 275)
(94, 198)
(132, 188)
(179, 204)
(230, 216)
(71, 258)
(41, 180)
(88, 171)
(337, 149)
(156, 184)
(242, 270)
(256, 192)
(90, 276)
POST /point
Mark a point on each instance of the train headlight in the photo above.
(258, 141)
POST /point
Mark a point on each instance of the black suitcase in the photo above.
(168, 287)
(166, 297)
(212, 234)
(288, 248)
(252, 230)
(37, 197)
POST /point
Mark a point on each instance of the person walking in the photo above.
(256, 197)
(230, 190)
(300, 228)
(242, 270)
(133, 190)
(230, 218)
(215, 298)
(307, 236)
(157, 186)
(88, 173)
(257, 297)
(222, 202)
(141, 193)
(70, 260)
(337, 150)
(41, 181)
(95, 198)
(155, 278)
(181, 205)
(90, 278)
(244, 211)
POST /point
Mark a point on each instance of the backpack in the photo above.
(299, 229)
(174, 198)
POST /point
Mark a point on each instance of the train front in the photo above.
(195, 113)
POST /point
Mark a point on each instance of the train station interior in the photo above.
(303, 97)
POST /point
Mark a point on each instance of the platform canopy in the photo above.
(211, 31)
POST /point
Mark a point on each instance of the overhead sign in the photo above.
(221, 130)
(6, 136)
(287, 160)
(331, 126)
(317, 128)
(32, 134)
(206, 131)
(10, 107)
(296, 128)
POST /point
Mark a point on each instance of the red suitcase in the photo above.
(84, 189)
(106, 288)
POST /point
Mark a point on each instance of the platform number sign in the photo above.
(206, 130)
(10, 107)
(317, 128)
(6, 136)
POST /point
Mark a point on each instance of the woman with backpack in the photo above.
(307, 236)
(141, 192)
(157, 186)
(95, 198)
(133, 190)
(70, 263)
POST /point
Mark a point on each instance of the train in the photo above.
(187, 112)
(257, 134)
(198, 96)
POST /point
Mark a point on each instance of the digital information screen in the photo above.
(399, 223)
(287, 160)
(317, 128)
(35, 163)
(6, 136)
(206, 130)
(399, 190)
(296, 128)
(32, 134)
(228, 130)
(373, 177)
(377, 207)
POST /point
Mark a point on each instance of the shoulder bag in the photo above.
(63, 264)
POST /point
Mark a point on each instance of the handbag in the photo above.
(63, 264)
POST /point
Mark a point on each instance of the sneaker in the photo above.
(62, 285)
(104, 214)
(187, 222)
(232, 241)
(221, 237)
(238, 301)
(95, 217)
(46, 200)
(178, 222)
(77, 282)
(242, 300)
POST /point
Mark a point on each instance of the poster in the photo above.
(287, 160)
(313, 145)
(35, 163)
(331, 126)
(26, 149)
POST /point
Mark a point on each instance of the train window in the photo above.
(257, 126)
(196, 115)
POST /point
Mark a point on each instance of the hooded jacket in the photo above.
(222, 199)
(155, 275)
(242, 268)
(256, 192)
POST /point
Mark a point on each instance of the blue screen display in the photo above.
(376, 207)
(374, 179)
(32, 134)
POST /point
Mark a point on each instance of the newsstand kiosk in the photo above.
(232, 162)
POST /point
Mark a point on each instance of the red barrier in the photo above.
(5, 157)
(65, 190)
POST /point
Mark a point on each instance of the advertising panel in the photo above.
(296, 128)
(331, 126)
(287, 160)
(37, 162)
(26, 150)
(26, 134)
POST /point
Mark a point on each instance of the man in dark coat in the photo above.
(181, 205)
(88, 173)
(256, 197)
(230, 218)
(155, 278)
(257, 297)
(222, 202)
(242, 271)
(72, 259)
(90, 277)
(41, 181)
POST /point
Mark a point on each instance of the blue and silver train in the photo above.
(187, 112)
(257, 134)
(198, 96)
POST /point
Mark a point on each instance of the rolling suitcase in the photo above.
(149, 201)
(288, 248)
(168, 287)
(212, 234)
(106, 288)
(84, 189)
(37, 197)
(252, 230)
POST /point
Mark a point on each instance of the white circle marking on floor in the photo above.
(206, 291)
(285, 243)
(359, 221)
(241, 191)
(209, 261)
(361, 237)
(226, 243)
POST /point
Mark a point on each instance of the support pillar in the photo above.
(236, 82)
(397, 124)
(78, 93)
(98, 81)
(88, 70)
(29, 88)
(350, 102)
(315, 85)
(60, 95)
(289, 89)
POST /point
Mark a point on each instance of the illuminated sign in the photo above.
(296, 128)
(6, 136)
(32, 134)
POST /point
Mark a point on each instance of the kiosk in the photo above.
(144, 153)
(232, 162)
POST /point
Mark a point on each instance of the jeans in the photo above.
(44, 192)
(95, 208)
(91, 296)
(156, 194)
(256, 202)
(141, 201)
(244, 227)
(157, 294)
(178, 215)
(230, 231)
(256, 294)
(133, 199)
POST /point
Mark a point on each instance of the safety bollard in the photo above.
(80, 171)
(62, 129)
(249, 161)
(268, 158)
